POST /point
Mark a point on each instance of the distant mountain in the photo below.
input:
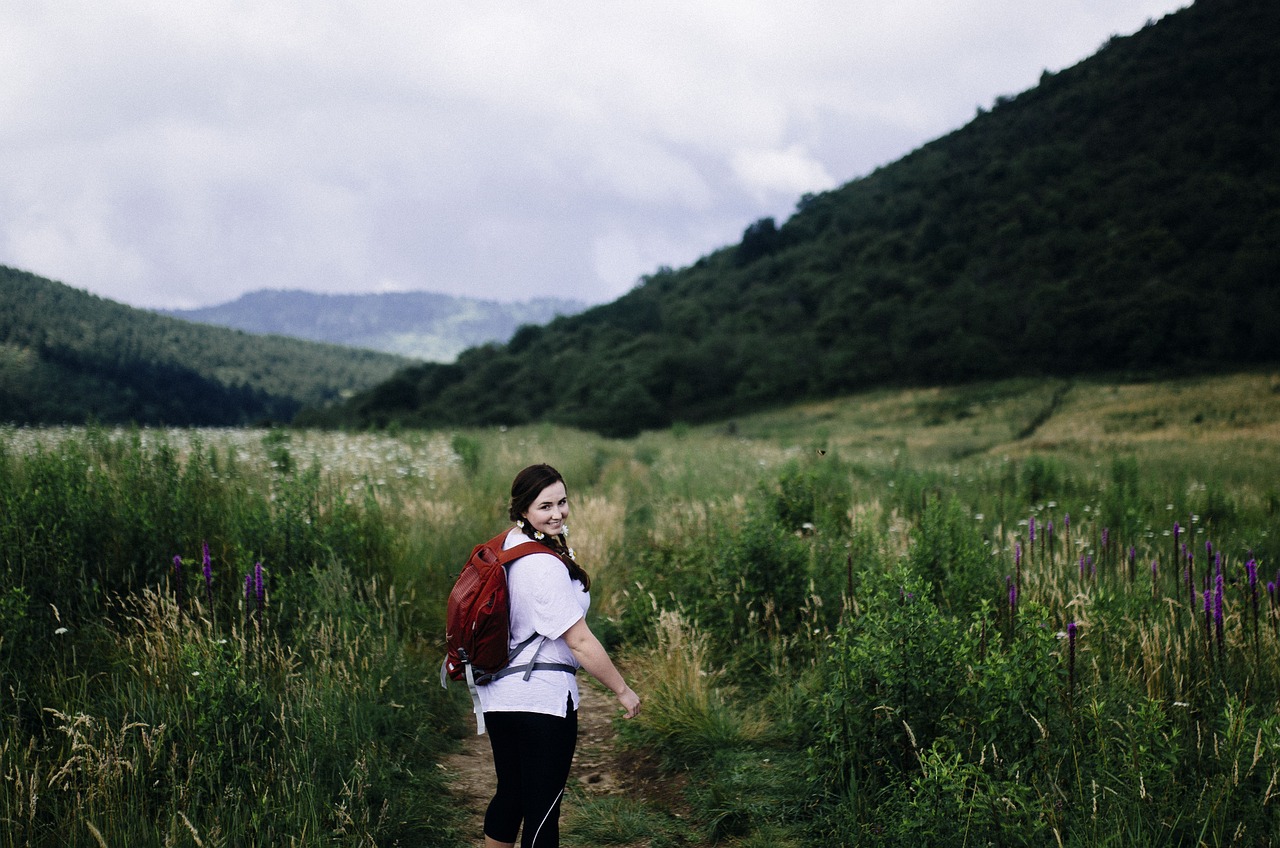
(421, 325)
(67, 356)
(1121, 216)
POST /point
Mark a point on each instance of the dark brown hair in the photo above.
(530, 483)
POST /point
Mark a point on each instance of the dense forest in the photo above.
(421, 325)
(67, 356)
(1121, 216)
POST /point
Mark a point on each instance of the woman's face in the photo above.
(549, 510)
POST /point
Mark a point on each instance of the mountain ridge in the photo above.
(419, 324)
(68, 356)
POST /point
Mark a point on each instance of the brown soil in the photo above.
(600, 767)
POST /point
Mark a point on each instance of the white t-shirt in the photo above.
(546, 601)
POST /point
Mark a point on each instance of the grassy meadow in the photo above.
(1014, 613)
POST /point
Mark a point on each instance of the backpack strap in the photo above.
(532, 665)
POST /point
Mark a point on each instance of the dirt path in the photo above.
(600, 766)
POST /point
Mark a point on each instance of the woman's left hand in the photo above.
(630, 702)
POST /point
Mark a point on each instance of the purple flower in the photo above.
(208, 574)
(1106, 537)
(248, 588)
(1218, 588)
(177, 566)
(1013, 593)
(258, 588)
(1177, 530)
(1017, 553)
(1251, 568)
(1066, 522)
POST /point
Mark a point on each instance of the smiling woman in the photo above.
(532, 718)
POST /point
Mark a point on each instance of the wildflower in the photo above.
(1218, 587)
(1217, 608)
(61, 631)
(208, 574)
(1031, 529)
(1106, 536)
(1017, 554)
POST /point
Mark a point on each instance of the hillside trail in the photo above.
(601, 767)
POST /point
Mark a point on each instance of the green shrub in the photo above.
(949, 552)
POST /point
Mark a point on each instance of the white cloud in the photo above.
(790, 172)
(170, 154)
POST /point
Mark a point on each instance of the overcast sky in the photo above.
(179, 154)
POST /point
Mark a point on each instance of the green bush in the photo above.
(949, 552)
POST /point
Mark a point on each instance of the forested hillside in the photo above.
(67, 356)
(1123, 215)
(422, 325)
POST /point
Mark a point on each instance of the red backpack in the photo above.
(478, 623)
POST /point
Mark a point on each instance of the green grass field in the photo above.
(1019, 613)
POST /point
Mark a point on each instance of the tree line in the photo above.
(1120, 216)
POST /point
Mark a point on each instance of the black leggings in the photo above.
(531, 756)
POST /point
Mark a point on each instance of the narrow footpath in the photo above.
(600, 767)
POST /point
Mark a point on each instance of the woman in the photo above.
(533, 721)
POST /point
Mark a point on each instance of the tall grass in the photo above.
(1006, 648)
(943, 617)
(159, 690)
